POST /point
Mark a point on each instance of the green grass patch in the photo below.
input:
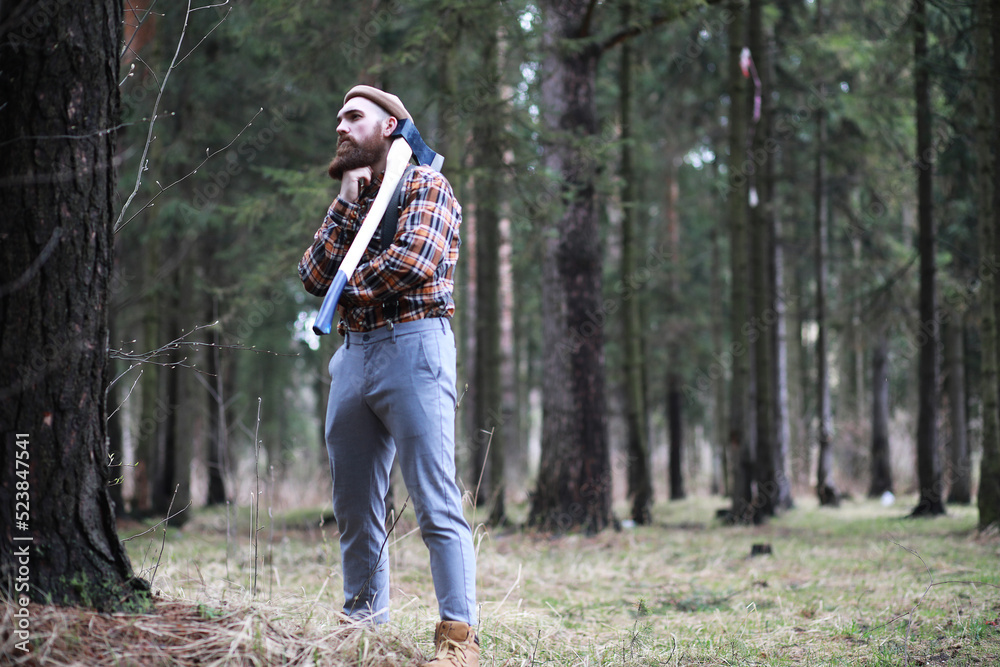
(856, 585)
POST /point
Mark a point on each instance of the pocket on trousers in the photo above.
(334, 361)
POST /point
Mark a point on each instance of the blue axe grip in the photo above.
(324, 320)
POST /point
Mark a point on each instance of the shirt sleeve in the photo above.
(426, 226)
(320, 262)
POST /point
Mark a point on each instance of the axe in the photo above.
(406, 144)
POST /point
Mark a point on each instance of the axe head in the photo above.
(421, 151)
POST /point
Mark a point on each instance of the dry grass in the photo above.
(856, 585)
(185, 633)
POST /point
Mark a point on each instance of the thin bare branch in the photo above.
(152, 528)
(208, 156)
(195, 47)
(149, 10)
(35, 265)
(143, 161)
(127, 396)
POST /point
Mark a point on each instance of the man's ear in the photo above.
(389, 126)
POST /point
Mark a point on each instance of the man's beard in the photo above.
(351, 155)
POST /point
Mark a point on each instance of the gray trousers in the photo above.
(393, 392)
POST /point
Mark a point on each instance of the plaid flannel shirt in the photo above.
(416, 269)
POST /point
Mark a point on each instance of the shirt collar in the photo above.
(372, 188)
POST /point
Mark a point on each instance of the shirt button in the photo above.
(365, 337)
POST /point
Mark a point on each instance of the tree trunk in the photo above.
(640, 485)
(802, 463)
(514, 454)
(929, 476)
(959, 490)
(740, 441)
(218, 426)
(451, 143)
(168, 440)
(574, 480)
(487, 435)
(991, 464)
(152, 413)
(782, 426)
(988, 205)
(675, 427)
(57, 187)
(675, 406)
(881, 480)
(825, 488)
(720, 467)
(116, 396)
(762, 323)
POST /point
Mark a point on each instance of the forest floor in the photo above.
(857, 585)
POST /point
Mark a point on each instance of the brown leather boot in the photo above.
(457, 645)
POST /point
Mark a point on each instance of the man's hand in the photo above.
(353, 182)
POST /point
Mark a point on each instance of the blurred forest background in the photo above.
(699, 244)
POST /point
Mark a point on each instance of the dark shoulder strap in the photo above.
(391, 217)
(390, 308)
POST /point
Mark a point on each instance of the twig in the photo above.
(228, 539)
(151, 357)
(205, 36)
(482, 471)
(920, 600)
(35, 265)
(50, 137)
(208, 156)
(129, 394)
(169, 516)
(270, 534)
(509, 590)
(381, 549)
(121, 375)
(256, 504)
(149, 10)
(152, 121)
(163, 542)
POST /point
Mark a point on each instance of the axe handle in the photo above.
(396, 161)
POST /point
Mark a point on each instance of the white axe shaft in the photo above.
(395, 165)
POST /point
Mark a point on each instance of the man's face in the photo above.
(360, 137)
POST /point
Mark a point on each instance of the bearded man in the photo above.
(393, 380)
